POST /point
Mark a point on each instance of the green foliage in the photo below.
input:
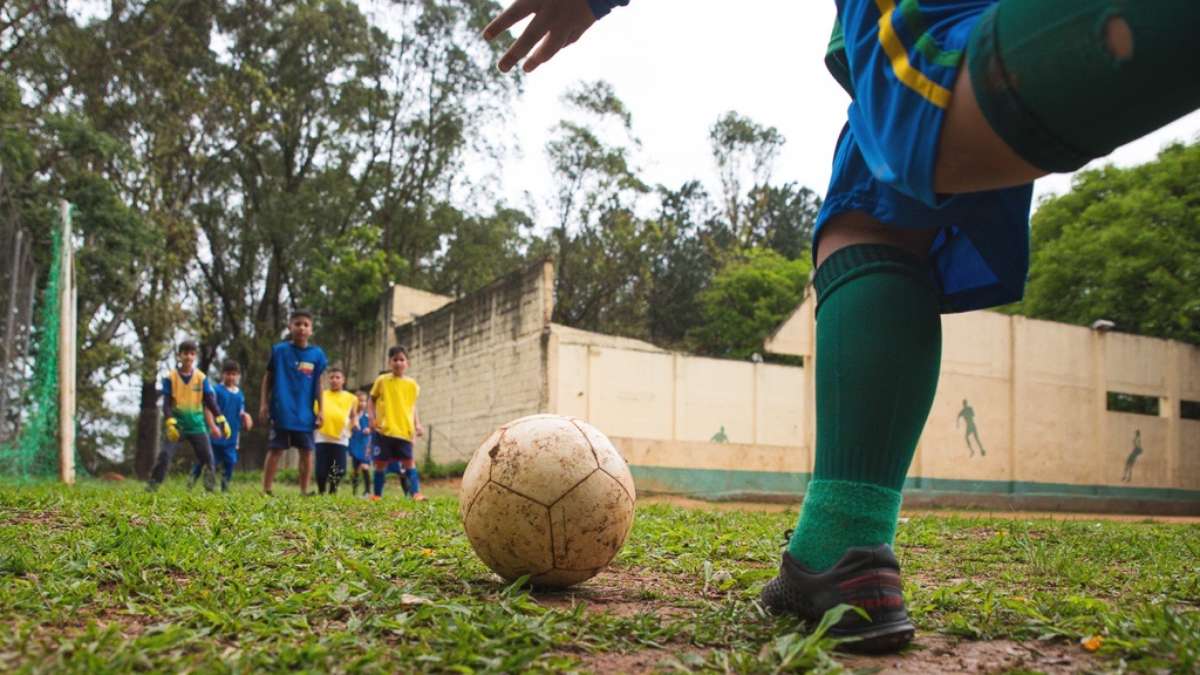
(479, 248)
(747, 300)
(1123, 245)
(345, 283)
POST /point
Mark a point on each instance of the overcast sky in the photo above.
(679, 64)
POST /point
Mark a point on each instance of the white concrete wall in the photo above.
(482, 360)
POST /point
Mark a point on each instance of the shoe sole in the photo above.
(882, 639)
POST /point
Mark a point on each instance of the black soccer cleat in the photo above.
(866, 577)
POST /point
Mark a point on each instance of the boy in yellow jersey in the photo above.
(191, 412)
(392, 409)
(333, 436)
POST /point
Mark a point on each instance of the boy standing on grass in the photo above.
(334, 433)
(955, 108)
(393, 412)
(191, 412)
(291, 398)
(232, 402)
(360, 448)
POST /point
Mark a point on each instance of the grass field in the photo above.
(107, 578)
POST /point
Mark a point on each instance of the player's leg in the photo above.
(162, 463)
(878, 341)
(1049, 86)
(303, 442)
(270, 468)
(412, 477)
(228, 461)
(204, 454)
(195, 474)
(324, 461)
(874, 387)
(338, 468)
(380, 476)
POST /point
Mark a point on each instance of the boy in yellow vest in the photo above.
(333, 436)
(393, 412)
(191, 412)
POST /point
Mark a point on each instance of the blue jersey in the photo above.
(360, 439)
(232, 405)
(295, 374)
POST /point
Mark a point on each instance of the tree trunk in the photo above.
(147, 431)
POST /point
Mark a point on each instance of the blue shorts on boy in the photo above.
(903, 61)
(392, 449)
(282, 439)
(295, 372)
(900, 62)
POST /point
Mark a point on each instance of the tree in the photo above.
(600, 245)
(479, 248)
(745, 154)
(1123, 245)
(747, 300)
(683, 264)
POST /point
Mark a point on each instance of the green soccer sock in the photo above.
(879, 346)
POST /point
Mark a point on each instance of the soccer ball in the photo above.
(549, 497)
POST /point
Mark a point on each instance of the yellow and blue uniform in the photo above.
(185, 397)
(337, 409)
(395, 403)
(900, 61)
(395, 409)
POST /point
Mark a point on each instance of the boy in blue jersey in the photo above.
(360, 450)
(291, 398)
(956, 107)
(232, 403)
(191, 413)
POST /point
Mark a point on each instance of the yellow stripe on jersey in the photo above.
(905, 72)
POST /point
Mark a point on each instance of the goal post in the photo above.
(68, 298)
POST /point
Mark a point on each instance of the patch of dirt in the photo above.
(932, 653)
(49, 517)
(626, 591)
(644, 661)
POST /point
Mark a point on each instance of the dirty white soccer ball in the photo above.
(548, 496)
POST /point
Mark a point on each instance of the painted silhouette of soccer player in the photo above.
(1133, 455)
(968, 413)
(720, 436)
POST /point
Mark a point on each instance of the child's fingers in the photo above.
(545, 51)
(508, 18)
(529, 37)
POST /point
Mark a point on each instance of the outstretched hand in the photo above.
(560, 22)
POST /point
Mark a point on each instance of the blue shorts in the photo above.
(359, 454)
(225, 454)
(903, 66)
(392, 449)
(282, 439)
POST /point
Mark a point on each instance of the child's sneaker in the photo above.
(867, 577)
(418, 497)
(191, 482)
(224, 485)
(374, 498)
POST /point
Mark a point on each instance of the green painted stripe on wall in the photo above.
(716, 484)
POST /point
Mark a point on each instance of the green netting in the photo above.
(35, 452)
